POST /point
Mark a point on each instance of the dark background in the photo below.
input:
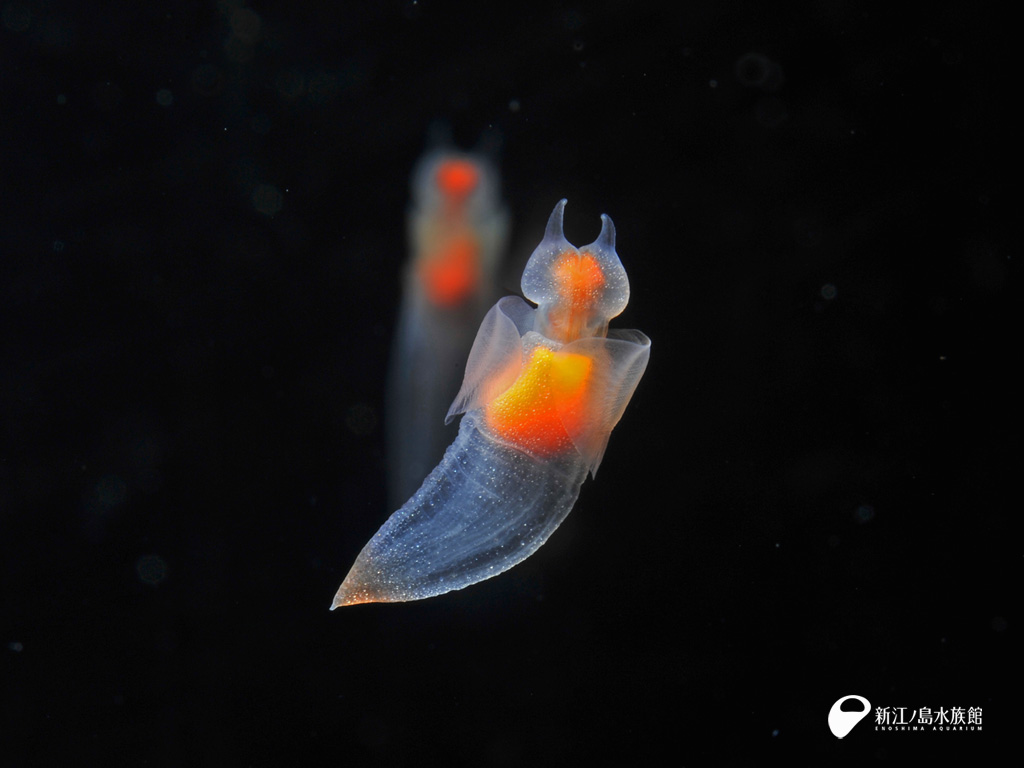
(201, 233)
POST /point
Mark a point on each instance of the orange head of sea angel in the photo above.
(576, 290)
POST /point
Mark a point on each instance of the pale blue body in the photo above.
(485, 508)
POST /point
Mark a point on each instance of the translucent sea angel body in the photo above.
(542, 391)
(457, 232)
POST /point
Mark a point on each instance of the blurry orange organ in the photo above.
(457, 178)
(451, 273)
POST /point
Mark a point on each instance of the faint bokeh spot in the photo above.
(828, 291)
(865, 513)
(164, 97)
(755, 70)
(111, 491)
(267, 199)
(152, 569)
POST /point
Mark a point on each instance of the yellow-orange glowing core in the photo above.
(457, 178)
(450, 274)
(550, 394)
(578, 282)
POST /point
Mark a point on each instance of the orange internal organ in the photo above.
(450, 274)
(457, 178)
(578, 281)
(550, 393)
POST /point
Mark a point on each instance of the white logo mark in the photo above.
(840, 722)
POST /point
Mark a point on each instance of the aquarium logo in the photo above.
(841, 721)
